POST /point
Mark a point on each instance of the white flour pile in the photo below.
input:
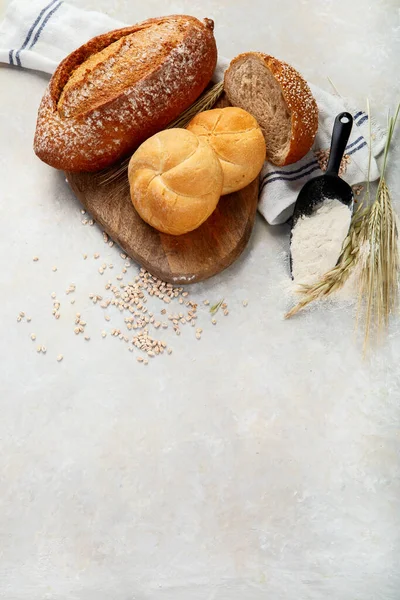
(317, 240)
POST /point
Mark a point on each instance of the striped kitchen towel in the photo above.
(38, 35)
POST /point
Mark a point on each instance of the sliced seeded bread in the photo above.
(280, 100)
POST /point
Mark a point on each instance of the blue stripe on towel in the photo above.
(313, 162)
(358, 140)
(43, 25)
(360, 112)
(359, 148)
(361, 121)
(286, 175)
(10, 57)
(30, 32)
(288, 178)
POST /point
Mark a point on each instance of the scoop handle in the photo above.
(340, 137)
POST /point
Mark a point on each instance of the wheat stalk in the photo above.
(204, 102)
(379, 275)
(378, 291)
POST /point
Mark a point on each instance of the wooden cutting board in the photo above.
(179, 259)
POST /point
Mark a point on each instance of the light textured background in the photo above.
(261, 462)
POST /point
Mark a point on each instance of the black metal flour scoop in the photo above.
(329, 185)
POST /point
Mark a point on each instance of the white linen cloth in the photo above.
(39, 34)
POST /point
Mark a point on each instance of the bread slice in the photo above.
(279, 99)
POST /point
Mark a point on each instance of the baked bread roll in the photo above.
(175, 181)
(281, 101)
(119, 88)
(238, 141)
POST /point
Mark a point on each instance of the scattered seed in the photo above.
(19, 318)
(35, 258)
(83, 212)
(60, 357)
(214, 321)
(122, 255)
(33, 336)
(96, 255)
(72, 301)
(44, 349)
(39, 349)
(226, 313)
(139, 358)
(84, 256)
(91, 222)
(54, 268)
(145, 362)
(103, 334)
(53, 295)
(29, 319)
(111, 243)
(87, 338)
(245, 302)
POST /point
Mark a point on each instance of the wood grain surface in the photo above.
(187, 258)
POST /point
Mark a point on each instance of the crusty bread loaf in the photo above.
(281, 101)
(119, 88)
(175, 181)
(237, 140)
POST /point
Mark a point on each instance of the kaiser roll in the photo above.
(175, 181)
(237, 140)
